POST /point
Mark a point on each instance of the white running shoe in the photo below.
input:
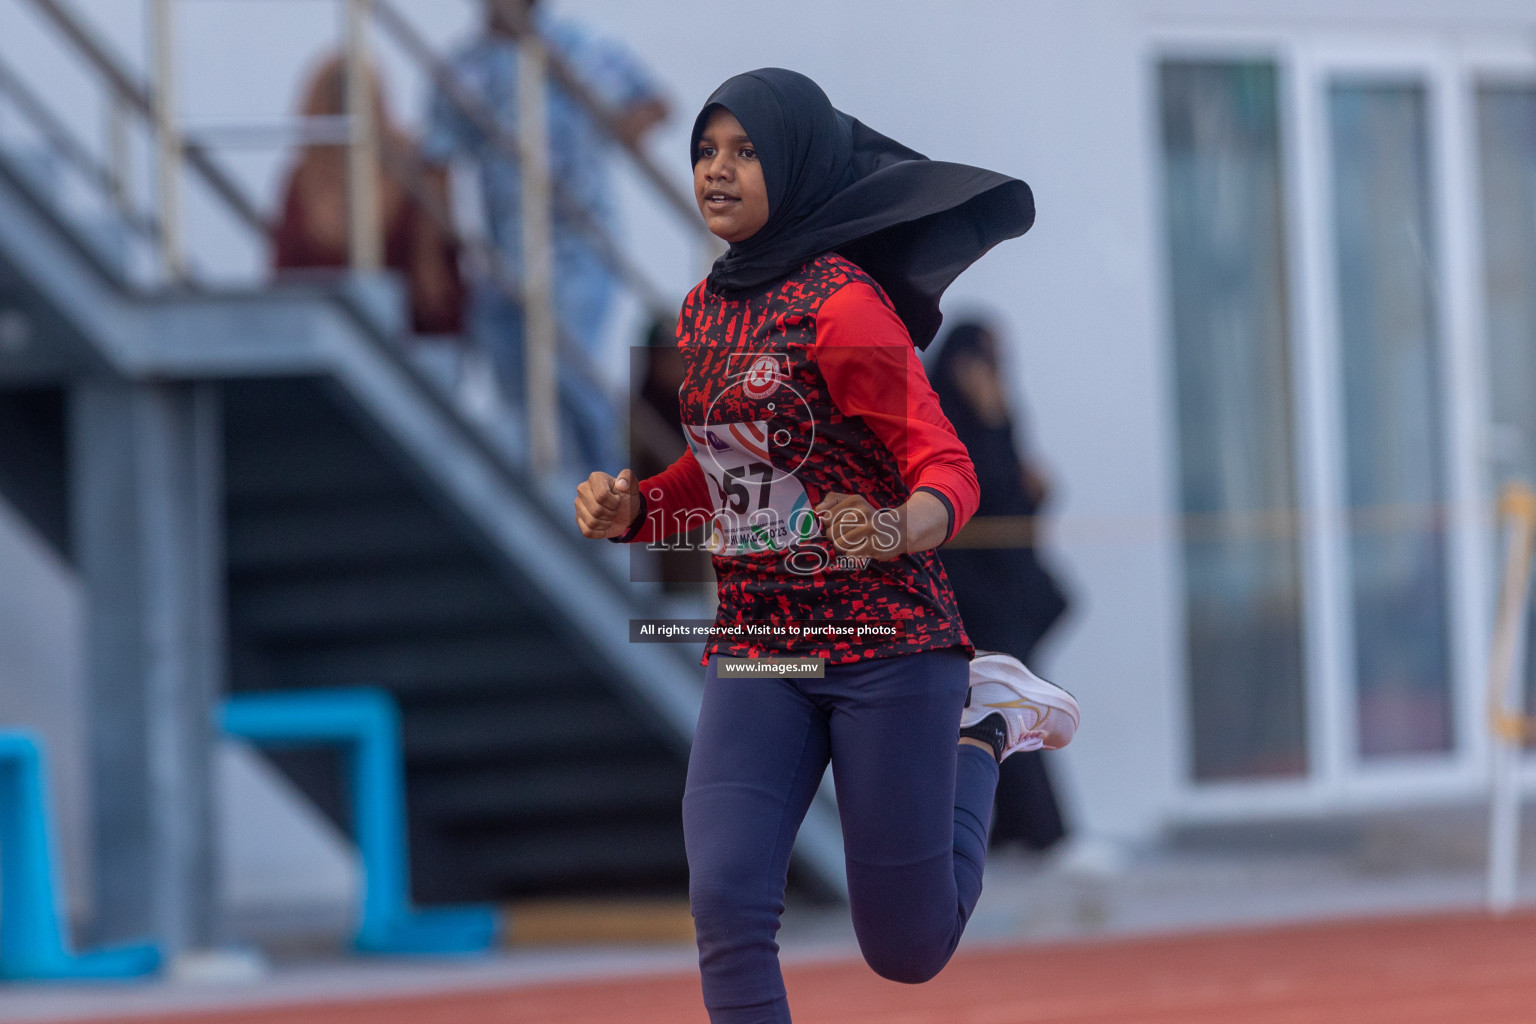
(1039, 715)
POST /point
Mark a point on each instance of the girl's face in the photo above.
(728, 180)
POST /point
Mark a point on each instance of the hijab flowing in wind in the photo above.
(836, 185)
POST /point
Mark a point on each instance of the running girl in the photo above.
(818, 451)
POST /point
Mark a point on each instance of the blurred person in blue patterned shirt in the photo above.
(584, 285)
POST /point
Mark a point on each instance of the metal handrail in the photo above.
(142, 99)
(507, 145)
(655, 433)
(319, 130)
(71, 148)
(560, 70)
(197, 155)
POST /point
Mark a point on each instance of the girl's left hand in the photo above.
(856, 528)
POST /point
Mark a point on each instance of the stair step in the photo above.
(34, 465)
(504, 662)
(405, 529)
(646, 921)
(512, 734)
(374, 604)
(631, 788)
(318, 467)
(526, 774)
(600, 857)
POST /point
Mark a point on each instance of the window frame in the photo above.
(1451, 70)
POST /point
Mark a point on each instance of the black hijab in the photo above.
(834, 184)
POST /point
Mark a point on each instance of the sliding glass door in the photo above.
(1323, 312)
(1506, 123)
(1387, 284)
(1225, 220)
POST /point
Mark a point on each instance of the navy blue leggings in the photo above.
(915, 807)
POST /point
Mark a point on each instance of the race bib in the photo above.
(757, 507)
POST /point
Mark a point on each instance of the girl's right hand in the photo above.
(605, 505)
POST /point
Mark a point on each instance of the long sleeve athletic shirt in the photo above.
(808, 388)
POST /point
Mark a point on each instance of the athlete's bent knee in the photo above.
(908, 966)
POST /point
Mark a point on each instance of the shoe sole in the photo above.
(1032, 688)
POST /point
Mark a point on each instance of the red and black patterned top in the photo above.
(810, 387)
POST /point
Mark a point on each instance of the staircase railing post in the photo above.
(363, 229)
(119, 187)
(168, 144)
(538, 258)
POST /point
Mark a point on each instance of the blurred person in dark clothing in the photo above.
(661, 380)
(655, 406)
(314, 230)
(1007, 599)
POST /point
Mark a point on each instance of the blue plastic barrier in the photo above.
(366, 724)
(31, 938)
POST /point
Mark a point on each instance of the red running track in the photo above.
(1465, 969)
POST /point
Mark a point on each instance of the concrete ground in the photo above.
(1411, 862)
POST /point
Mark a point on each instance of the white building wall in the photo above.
(1058, 92)
(1063, 95)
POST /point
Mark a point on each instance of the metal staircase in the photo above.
(371, 533)
(527, 769)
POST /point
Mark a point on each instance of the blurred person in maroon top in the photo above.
(313, 232)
